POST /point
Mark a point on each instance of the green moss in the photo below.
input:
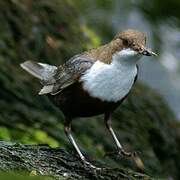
(93, 38)
(21, 176)
(5, 133)
(30, 136)
(42, 137)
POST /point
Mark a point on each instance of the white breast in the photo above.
(109, 82)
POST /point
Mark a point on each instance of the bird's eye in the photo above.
(125, 42)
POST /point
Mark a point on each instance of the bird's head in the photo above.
(133, 41)
(127, 46)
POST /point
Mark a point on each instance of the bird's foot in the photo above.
(122, 153)
(90, 166)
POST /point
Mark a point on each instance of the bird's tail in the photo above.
(41, 71)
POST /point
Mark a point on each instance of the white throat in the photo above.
(112, 82)
(127, 57)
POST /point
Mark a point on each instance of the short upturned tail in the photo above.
(44, 72)
(33, 68)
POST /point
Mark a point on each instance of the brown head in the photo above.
(135, 40)
(128, 39)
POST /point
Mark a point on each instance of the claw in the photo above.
(120, 152)
(89, 165)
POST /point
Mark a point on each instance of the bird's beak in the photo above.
(148, 52)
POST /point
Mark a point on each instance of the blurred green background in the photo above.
(52, 32)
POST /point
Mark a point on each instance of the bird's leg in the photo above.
(67, 130)
(120, 150)
(139, 163)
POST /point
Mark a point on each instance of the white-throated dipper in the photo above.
(93, 82)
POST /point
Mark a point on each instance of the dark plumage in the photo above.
(75, 102)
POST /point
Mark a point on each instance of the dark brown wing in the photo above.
(69, 73)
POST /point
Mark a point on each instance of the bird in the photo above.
(93, 82)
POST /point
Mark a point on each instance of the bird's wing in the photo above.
(67, 74)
